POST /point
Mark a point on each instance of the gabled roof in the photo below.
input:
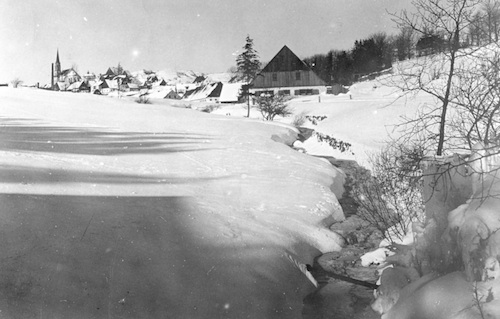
(199, 79)
(216, 91)
(204, 91)
(77, 86)
(284, 61)
(67, 71)
(62, 86)
(230, 92)
(112, 84)
(113, 70)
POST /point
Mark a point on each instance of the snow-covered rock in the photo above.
(376, 257)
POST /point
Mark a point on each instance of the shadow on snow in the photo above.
(31, 135)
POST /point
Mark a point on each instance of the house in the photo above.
(133, 87)
(88, 77)
(209, 92)
(79, 86)
(113, 73)
(104, 86)
(172, 95)
(287, 74)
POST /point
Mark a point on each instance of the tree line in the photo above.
(344, 66)
(379, 50)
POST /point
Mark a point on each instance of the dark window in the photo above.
(275, 77)
(259, 93)
(304, 92)
(284, 92)
(297, 76)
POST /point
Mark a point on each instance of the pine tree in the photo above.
(248, 65)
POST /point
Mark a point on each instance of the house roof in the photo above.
(204, 91)
(62, 86)
(68, 71)
(76, 85)
(112, 84)
(113, 70)
(284, 61)
(230, 92)
(199, 79)
(216, 91)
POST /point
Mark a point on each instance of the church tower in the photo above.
(56, 71)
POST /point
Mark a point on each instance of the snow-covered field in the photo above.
(116, 209)
(112, 208)
(366, 117)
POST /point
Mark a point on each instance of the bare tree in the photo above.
(476, 29)
(404, 42)
(491, 9)
(450, 20)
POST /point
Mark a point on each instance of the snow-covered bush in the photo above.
(391, 197)
(299, 119)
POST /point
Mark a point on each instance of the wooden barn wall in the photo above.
(287, 79)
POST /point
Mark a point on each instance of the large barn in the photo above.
(287, 74)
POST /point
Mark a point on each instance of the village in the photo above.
(286, 74)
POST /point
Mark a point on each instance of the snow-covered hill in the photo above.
(113, 208)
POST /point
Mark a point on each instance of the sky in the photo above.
(199, 35)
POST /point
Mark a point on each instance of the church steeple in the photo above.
(56, 71)
(57, 65)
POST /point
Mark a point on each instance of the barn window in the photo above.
(275, 76)
(297, 76)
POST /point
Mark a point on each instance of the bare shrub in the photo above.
(315, 119)
(209, 108)
(271, 106)
(143, 100)
(391, 197)
(16, 82)
(299, 119)
(334, 143)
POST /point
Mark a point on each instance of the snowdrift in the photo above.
(113, 208)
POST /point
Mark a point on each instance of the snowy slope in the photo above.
(121, 198)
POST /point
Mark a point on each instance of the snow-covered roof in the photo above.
(75, 85)
(203, 92)
(112, 84)
(230, 92)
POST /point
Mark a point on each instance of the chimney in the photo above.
(52, 77)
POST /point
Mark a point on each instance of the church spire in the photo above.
(57, 57)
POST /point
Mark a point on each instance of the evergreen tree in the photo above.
(248, 65)
(119, 69)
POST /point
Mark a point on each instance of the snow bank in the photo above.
(213, 201)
